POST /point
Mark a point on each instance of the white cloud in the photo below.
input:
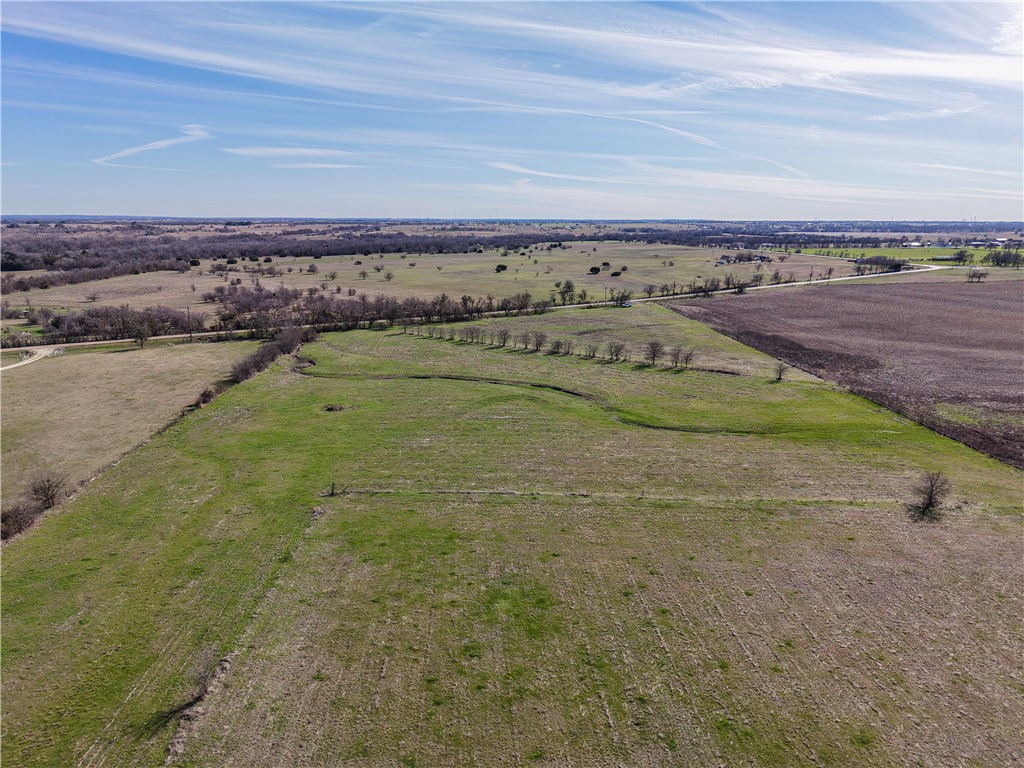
(287, 152)
(192, 133)
(316, 165)
(962, 169)
(1009, 37)
(931, 114)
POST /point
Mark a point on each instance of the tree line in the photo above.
(500, 337)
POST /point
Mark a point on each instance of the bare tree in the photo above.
(654, 349)
(539, 339)
(687, 358)
(363, 273)
(616, 349)
(929, 494)
(502, 335)
(780, 370)
(47, 487)
(389, 275)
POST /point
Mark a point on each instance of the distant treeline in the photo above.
(74, 257)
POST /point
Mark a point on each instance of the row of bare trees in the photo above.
(652, 352)
(103, 323)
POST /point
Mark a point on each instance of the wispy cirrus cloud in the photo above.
(964, 169)
(317, 165)
(191, 133)
(288, 152)
(931, 114)
(815, 102)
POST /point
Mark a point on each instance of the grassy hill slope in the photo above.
(530, 560)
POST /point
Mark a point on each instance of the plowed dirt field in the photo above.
(949, 355)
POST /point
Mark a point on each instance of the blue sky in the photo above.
(725, 110)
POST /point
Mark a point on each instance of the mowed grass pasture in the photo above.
(77, 412)
(529, 560)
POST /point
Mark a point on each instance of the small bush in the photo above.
(47, 488)
(209, 394)
(19, 516)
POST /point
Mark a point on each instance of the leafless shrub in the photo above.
(19, 516)
(47, 488)
(930, 492)
(616, 350)
(780, 370)
(204, 671)
(209, 394)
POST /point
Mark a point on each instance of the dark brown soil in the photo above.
(950, 355)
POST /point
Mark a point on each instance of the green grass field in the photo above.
(530, 559)
(928, 255)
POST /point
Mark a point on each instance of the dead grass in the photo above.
(77, 413)
(591, 633)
